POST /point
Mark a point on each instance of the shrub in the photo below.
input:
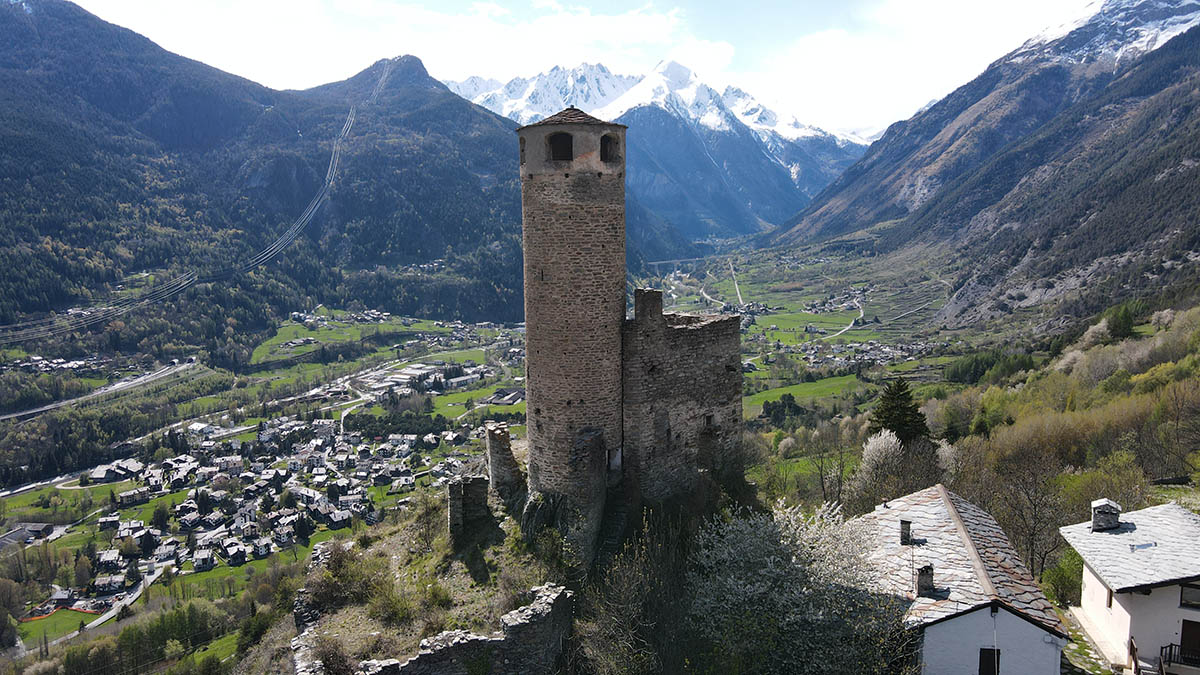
(389, 605)
(252, 630)
(333, 656)
(1063, 583)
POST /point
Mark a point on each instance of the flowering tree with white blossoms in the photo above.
(792, 592)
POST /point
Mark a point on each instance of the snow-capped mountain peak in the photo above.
(675, 88)
(474, 86)
(762, 119)
(1113, 30)
(528, 100)
(714, 163)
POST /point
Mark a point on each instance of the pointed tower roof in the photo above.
(572, 115)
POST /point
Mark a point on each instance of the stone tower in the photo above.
(573, 204)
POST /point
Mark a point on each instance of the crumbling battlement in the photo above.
(682, 397)
(531, 642)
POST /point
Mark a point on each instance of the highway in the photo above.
(113, 388)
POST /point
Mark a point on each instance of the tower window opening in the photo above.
(522, 151)
(609, 148)
(561, 146)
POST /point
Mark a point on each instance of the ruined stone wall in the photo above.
(504, 474)
(531, 642)
(574, 244)
(682, 397)
(466, 504)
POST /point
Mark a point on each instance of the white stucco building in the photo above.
(1141, 585)
(977, 607)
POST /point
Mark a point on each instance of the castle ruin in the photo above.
(621, 411)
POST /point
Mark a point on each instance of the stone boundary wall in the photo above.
(306, 616)
(531, 642)
(682, 397)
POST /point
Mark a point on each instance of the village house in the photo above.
(134, 497)
(234, 551)
(338, 519)
(109, 560)
(204, 560)
(1140, 601)
(976, 606)
(109, 583)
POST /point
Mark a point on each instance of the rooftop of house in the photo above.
(974, 565)
(1156, 546)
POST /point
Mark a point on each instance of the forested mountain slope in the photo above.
(120, 158)
(921, 157)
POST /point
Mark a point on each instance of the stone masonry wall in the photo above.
(682, 397)
(466, 504)
(504, 474)
(574, 244)
(530, 643)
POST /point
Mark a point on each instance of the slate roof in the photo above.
(571, 115)
(1158, 546)
(974, 565)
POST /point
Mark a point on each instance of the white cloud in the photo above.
(302, 43)
(892, 58)
(906, 53)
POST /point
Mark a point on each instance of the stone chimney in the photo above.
(925, 581)
(905, 532)
(1106, 515)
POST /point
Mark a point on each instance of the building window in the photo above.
(1108, 601)
(1189, 596)
(609, 148)
(522, 151)
(905, 533)
(989, 661)
(708, 421)
(561, 147)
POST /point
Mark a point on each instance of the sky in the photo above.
(843, 65)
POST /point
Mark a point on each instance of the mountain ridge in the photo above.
(1012, 98)
(724, 166)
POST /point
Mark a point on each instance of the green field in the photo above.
(143, 512)
(451, 405)
(909, 366)
(457, 356)
(54, 626)
(830, 386)
(223, 647)
(336, 331)
(22, 506)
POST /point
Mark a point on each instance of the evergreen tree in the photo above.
(898, 412)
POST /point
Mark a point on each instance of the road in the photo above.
(848, 326)
(103, 391)
(735, 283)
(347, 411)
(129, 599)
